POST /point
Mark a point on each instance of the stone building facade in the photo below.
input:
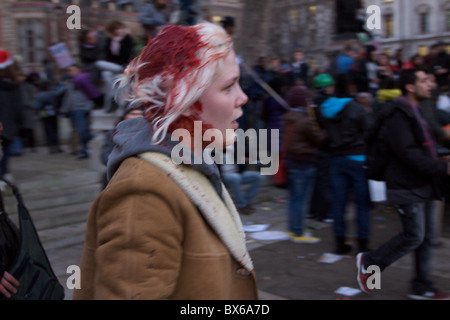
(412, 25)
(278, 27)
(263, 27)
(29, 28)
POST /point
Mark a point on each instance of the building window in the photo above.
(294, 14)
(347, 16)
(313, 37)
(32, 40)
(388, 25)
(423, 50)
(424, 22)
(447, 20)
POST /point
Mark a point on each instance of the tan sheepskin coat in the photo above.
(160, 231)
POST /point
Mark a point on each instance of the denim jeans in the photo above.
(300, 186)
(346, 176)
(419, 231)
(80, 121)
(235, 183)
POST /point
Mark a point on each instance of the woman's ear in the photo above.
(194, 110)
(187, 112)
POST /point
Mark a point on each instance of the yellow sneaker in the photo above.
(305, 239)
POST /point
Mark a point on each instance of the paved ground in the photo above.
(59, 189)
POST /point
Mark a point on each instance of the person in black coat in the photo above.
(11, 107)
(411, 177)
(118, 53)
(299, 69)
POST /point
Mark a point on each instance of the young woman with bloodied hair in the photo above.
(161, 230)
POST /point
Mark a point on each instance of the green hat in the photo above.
(323, 80)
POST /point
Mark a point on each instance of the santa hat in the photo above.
(6, 59)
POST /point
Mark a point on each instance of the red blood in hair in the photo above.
(187, 123)
(172, 51)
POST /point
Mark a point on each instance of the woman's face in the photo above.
(221, 102)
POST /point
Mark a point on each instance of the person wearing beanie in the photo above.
(347, 123)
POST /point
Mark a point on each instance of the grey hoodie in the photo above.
(134, 136)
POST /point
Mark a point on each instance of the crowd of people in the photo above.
(368, 78)
(323, 118)
(72, 92)
(325, 147)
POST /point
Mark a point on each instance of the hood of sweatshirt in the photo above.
(332, 106)
(134, 136)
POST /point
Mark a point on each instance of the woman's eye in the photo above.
(229, 87)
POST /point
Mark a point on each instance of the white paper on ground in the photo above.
(347, 291)
(329, 258)
(269, 235)
(256, 227)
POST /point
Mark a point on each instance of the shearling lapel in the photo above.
(221, 215)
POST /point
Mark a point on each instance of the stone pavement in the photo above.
(58, 190)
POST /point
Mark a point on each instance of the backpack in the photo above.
(378, 152)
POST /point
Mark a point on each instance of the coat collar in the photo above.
(220, 215)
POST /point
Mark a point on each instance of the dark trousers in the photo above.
(419, 231)
(321, 197)
(28, 139)
(4, 161)
(51, 130)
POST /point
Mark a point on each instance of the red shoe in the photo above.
(362, 274)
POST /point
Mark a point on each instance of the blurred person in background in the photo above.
(301, 140)
(47, 103)
(347, 123)
(11, 109)
(412, 176)
(118, 53)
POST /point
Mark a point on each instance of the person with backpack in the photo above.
(412, 171)
(346, 122)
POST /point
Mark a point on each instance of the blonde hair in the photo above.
(172, 72)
